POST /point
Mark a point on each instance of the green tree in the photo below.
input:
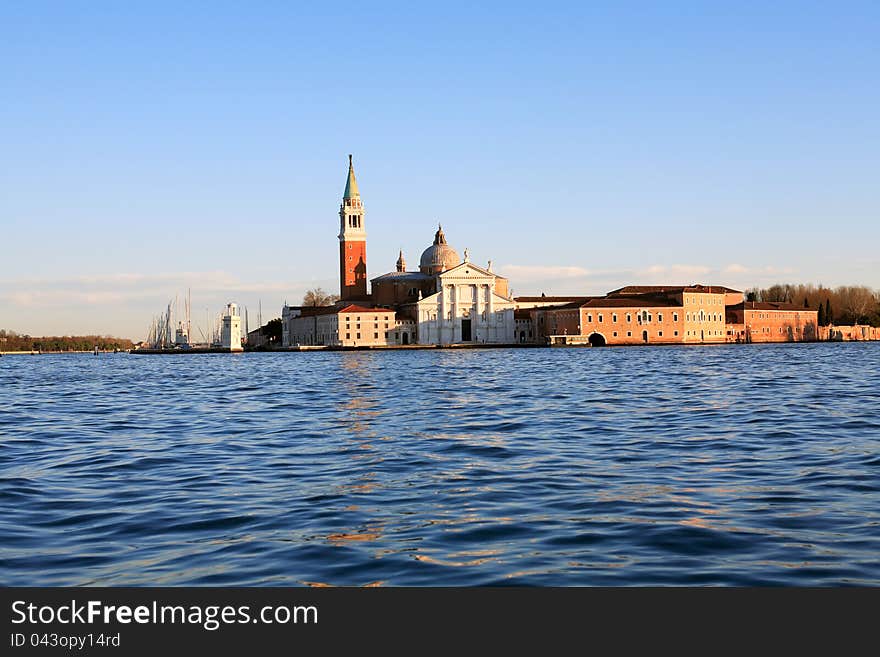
(272, 330)
(829, 316)
(821, 319)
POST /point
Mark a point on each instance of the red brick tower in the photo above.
(352, 243)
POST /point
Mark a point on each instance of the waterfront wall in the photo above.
(847, 333)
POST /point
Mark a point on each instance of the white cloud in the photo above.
(541, 272)
(676, 270)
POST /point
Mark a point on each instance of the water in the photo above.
(725, 465)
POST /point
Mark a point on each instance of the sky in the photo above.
(151, 148)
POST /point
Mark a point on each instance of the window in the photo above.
(614, 317)
(600, 319)
(660, 333)
(375, 336)
(675, 333)
(629, 334)
(659, 317)
(358, 336)
(615, 334)
(589, 318)
(629, 317)
(675, 319)
(348, 336)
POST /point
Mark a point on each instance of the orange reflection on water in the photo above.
(341, 539)
(325, 585)
(482, 556)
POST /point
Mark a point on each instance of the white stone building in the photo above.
(466, 309)
(351, 326)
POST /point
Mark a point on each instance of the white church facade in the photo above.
(466, 309)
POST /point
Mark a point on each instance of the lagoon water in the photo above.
(724, 465)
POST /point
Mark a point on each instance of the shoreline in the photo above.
(411, 347)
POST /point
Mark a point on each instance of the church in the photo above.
(449, 300)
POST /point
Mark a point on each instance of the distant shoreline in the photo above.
(450, 347)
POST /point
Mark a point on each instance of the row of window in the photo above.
(358, 318)
(629, 334)
(646, 318)
(712, 301)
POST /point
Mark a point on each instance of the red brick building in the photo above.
(638, 315)
(771, 321)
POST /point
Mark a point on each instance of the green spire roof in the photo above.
(351, 185)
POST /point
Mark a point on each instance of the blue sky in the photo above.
(579, 146)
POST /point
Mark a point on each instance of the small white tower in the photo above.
(230, 334)
(181, 336)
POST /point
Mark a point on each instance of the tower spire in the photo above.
(351, 186)
(401, 263)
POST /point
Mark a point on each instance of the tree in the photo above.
(272, 330)
(829, 316)
(820, 321)
(806, 302)
(317, 297)
(856, 303)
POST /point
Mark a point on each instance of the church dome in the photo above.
(439, 256)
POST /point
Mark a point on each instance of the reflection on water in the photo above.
(716, 465)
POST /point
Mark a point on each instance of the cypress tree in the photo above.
(829, 316)
(806, 302)
(821, 319)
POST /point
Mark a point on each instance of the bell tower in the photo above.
(352, 243)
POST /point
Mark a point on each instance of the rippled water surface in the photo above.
(665, 465)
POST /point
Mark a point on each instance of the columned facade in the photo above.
(466, 310)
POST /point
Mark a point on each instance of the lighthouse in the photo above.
(230, 333)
